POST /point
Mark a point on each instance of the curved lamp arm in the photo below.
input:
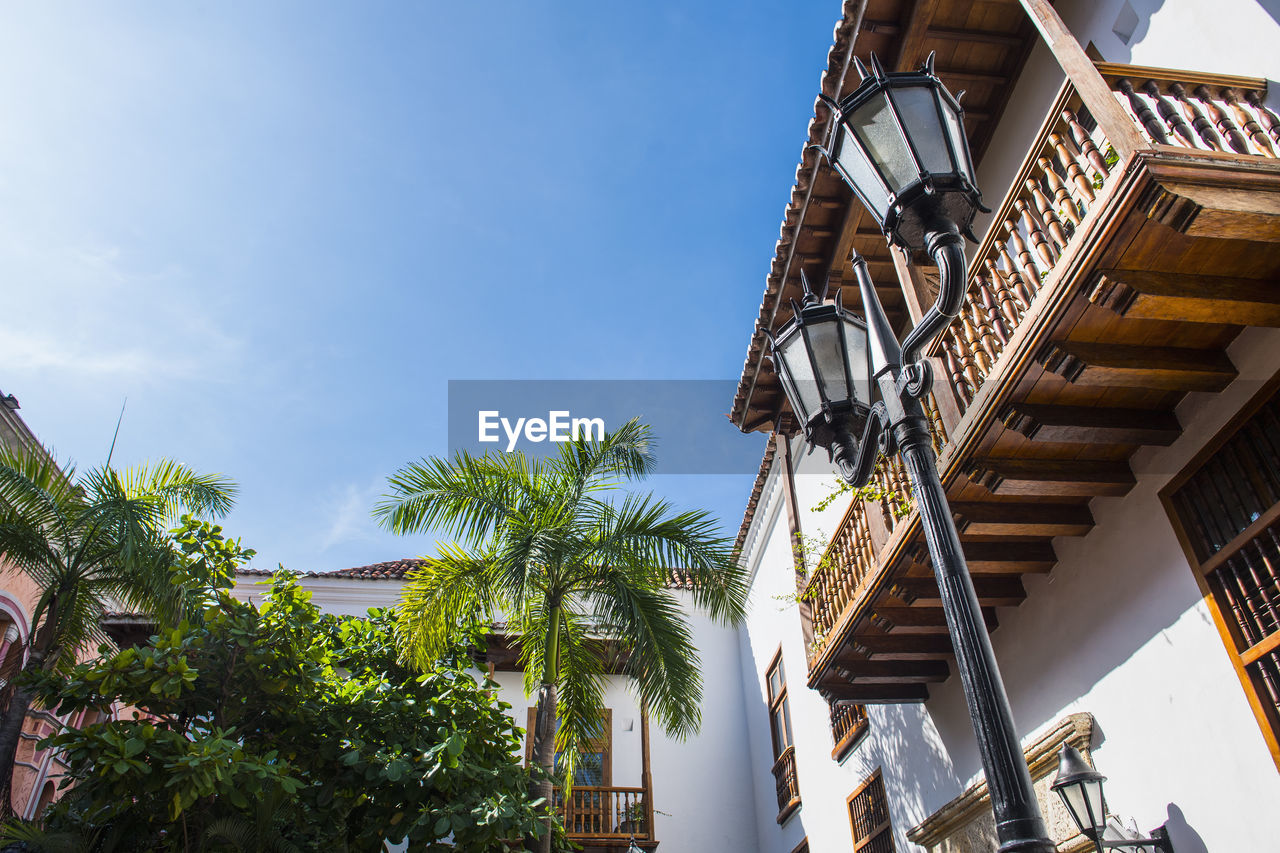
(856, 459)
(946, 247)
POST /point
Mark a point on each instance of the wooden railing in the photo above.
(848, 723)
(784, 776)
(595, 811)
(850, 557)
(1069, 166)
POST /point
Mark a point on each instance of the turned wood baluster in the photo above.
(1172, 118)
(1199, 121)
(953, 369)
(995, 316)
(1140, 109)
(986, 335)
(1024, 290)
(1025, 263)
(1035, 231)
(1269, 119)
(1052, 224)
(937, 429)
(1010, 308)
(1066, 205)
(1086, 145)
(981, 361)
(1226, 126)
(1247, 121)
(968, 361)
(1075, 174)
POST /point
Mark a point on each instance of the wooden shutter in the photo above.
(869, 817)
(1226, 509)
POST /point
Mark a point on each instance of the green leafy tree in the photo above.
(88, 542)
(541, 545)
(284, 729)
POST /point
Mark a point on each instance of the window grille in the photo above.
(869, 817)
(1227, 507)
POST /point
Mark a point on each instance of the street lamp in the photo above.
(1079, 786)
(898, 142)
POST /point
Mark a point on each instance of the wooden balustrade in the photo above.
(595, 811)
(784, 776)
(1068, 165)
(848, 723)
(1209, 112)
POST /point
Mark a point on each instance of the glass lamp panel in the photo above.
(853, 160)
(1073, 797)
(955, 131)
(828, 355)
(802, 386)
(919, 110)
(855, 335)
(1097, 808)
(874, 124)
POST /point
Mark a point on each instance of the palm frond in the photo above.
(438, 598)
(468, 497)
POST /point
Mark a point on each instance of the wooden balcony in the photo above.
(1135, 243)
(788, 786)
(606, 818)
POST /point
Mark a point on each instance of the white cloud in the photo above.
(349, 518)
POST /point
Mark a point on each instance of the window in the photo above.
(869, 817)
(595, 760)
(1226, 509)
(848, 725)
(784, 753)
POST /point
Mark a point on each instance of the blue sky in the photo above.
(280, 229)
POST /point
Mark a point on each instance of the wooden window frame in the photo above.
(775, 704)
(845, 744)
(886, 827)
(1202, 568)
(602, 744)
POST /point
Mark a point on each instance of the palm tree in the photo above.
(538, 543)
(88, 544)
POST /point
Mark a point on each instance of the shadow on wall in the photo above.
(1181, 835)
(916, 769)
(1272, 8)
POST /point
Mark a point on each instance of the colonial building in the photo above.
(1106, 423)
(1108, 431)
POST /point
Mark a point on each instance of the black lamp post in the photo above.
(1079, 786)
(899, 143)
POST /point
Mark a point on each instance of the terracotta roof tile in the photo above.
(766, 463)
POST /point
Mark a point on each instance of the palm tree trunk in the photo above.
(544, 756)
(544, 732)
(10, 731)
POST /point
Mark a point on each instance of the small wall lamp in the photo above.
(1080, 788)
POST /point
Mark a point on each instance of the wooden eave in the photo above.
(980, 46)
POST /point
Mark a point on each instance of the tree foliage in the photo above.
(282, 728)
(575, 567)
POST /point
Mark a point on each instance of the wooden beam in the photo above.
(1079, 68)
(892, 28)
(911, 47)
(876, 694)
(1033, 556)
(988, 518)
(1227, 213)
(1144, 295)
(928, 645)
(921, 617)
(1088, 363)
(992, 590)
(1063, 477)
(1092, 424)
(891, 671)
(961, 79)
(916, 290)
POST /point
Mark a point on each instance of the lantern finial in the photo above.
(926, 67)
(863, 74)
(877, 69)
